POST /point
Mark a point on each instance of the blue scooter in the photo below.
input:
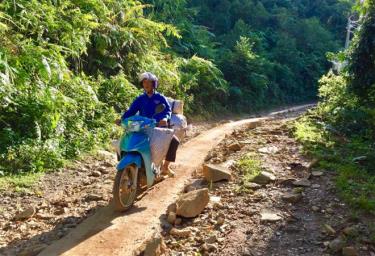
(135, 171)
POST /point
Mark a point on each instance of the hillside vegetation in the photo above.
(69, 67)
(341, 130)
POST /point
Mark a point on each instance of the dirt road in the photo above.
(108, 233)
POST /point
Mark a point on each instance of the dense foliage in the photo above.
(68, 67)
(270, 52)
(341, 130)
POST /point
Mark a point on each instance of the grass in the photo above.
(19, 182)
(250, 166)
(355, 180)
(24, 182)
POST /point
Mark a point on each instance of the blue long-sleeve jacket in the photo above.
(146, 107)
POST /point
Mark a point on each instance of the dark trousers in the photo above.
(172, 151)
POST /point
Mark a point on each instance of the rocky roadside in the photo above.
(32, 220)
(35, 218)
(289, 208)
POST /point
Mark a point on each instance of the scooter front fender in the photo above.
(130, 158)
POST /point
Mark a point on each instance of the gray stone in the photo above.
(264, 178)
(235, 146)
(172, 208)
(211, 240)
(180, 233)
(93, 197)
(252, 185)
(104, 170)
(349, 251)
(178, 221)
(193, 203)
(155, 246)
(25, 214)
(254, 124)
(337, 244)
(171, 217)
(269, 150)
(268, 216)
(302, 183)
(220, 220)
(317, 173)
(350, 230)
(214, 173)
(329, 230)
(292, 197)
(96, 174)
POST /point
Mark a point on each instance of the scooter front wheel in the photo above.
(125, 188)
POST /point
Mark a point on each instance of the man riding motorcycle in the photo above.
(146, 105)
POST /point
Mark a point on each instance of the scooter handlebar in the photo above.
(137, 123)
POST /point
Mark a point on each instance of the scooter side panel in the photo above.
(140, 142)
(134, 141)
(129, 158)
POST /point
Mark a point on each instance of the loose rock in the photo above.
(349, 230)
(267, 216)
(315, 186)
(180, 233)
(254, 124)
(155, 246)
(269, 150)
(302, 183)
(329, 230)
(234, 146)
(103, 154)
(252, 185)
(349, 251)
(25, 214)
(264, 178)
(104, 170)
(171, 217)
(292, 197)
(214, 173)
(93, 197)
(212, 239)
(178, 221)
(317, 173)
(193, 203)
(336, 245)
(315, 208)
(208, 247)
(215, 199)
(96, 174)
(172, 208)
(220, 220)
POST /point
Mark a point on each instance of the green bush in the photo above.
(51, 109)
(205, 87)
(340, 132)
(68, 68)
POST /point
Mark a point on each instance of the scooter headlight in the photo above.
(134, 126)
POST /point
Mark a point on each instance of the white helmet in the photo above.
(149, 76)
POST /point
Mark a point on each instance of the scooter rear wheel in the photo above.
(124, 189)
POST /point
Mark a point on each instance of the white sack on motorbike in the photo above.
(160, 139)
(179, 125)
(177, 106)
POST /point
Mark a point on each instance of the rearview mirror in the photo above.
(159, 108)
